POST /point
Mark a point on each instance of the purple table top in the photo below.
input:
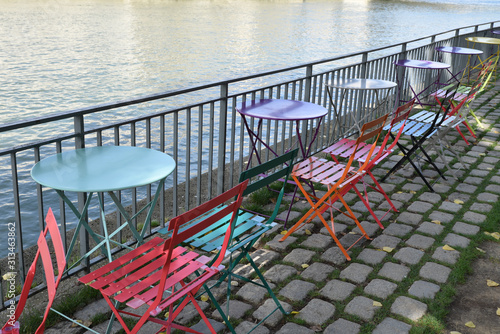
(423, 64)
(496, 32)
(281, 110)
(362, 84)
(459, 50)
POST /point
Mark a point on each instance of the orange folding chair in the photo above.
(43, 251)
(339, 179)
(160, 273)
(345, 148)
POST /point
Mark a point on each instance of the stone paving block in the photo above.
(280, 246)
(342, 326)
(334, 255)
(297, 290)
(446, 256)
(397, 230)
(362, 307)
(491, 160)
(410, 218)
(188, 313)
(352, 238)
(403, 197)
(385, 241)
(244, 270)
(317, 272)
(430, 197)
(394, 271)
(465, 229)
(424, 289)
(481, 207)
(370, 228)
(371, 256)
(299, 256)
(268, 307)
(420, 242)
(359, 207)
(495, 179)
(236, 309)
(409, 255)
(392, 326)
(435, 272)
(473, 180)
(412, 187)
(90, 310)
(346, 220)
(339, 229)
(380, 288)
(218, 291)
(450, 207)
(318, 241)
(430, 228)
(356, 272)
(291, 327)
(293, 215)
(337, 290)
(441, 188)
(303, 230)
(487, 197)
(316, 312)
(279, 273)
(473, 217)
(479, 173)
(253, 293)
(66, 327)
(382, 216)
(409, 308)
(441, 216)
(485, 166)
(455, 240)
(420, 207)
(246, 326)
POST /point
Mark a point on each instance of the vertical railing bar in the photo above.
(133, 142)
(163, 215)
(175, 202)
(62, 207)
(41, 216)
(187, 172)
(17, 210)
(211, 149)
(200, 155)
(232, 143)
(224, 91)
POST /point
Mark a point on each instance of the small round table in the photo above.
(280, 110)
(488, 41)
(104, 169)
(422, 65)
(456, 50)
(361, 85)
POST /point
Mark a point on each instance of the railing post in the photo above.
(400, 72)
(221, 161)
(308, 85)
(361, 97)
(82, 197)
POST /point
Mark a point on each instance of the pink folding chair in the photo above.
(52, 281)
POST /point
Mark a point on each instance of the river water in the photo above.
(58, 55)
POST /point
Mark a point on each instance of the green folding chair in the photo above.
(249, 227)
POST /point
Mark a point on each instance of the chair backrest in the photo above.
(268, 172)
(206, 215)
(52, 282)
(370, 131)
(397, 123)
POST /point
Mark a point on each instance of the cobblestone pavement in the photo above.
(377, 291)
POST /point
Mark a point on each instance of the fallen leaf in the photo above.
(294, 312)
(491, 283)
(436, 222)
(378, 304)
(496, 235)
(448, 248)
(399, 192)
(74, 324)
(481, 250)
(412, 192)
(308, 232)
(204, 298)
(457, 201)
(401, 154)
(234, 283)
(305, 266)
(455, 332)
(498, 311)
(166, 315)
(387, 249)
(284, 232)
(470, 324)
(8, 276)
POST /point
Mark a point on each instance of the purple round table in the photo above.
(424, 65)
(279, 110)
(460, 51)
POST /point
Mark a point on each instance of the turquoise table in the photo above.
(104, 169)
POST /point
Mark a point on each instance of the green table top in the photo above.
(103, 168)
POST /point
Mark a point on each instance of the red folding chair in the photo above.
(159, 273)
(339, 179)
(51, 279)
(345, 148)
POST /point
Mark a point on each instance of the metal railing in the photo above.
(200, 128)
